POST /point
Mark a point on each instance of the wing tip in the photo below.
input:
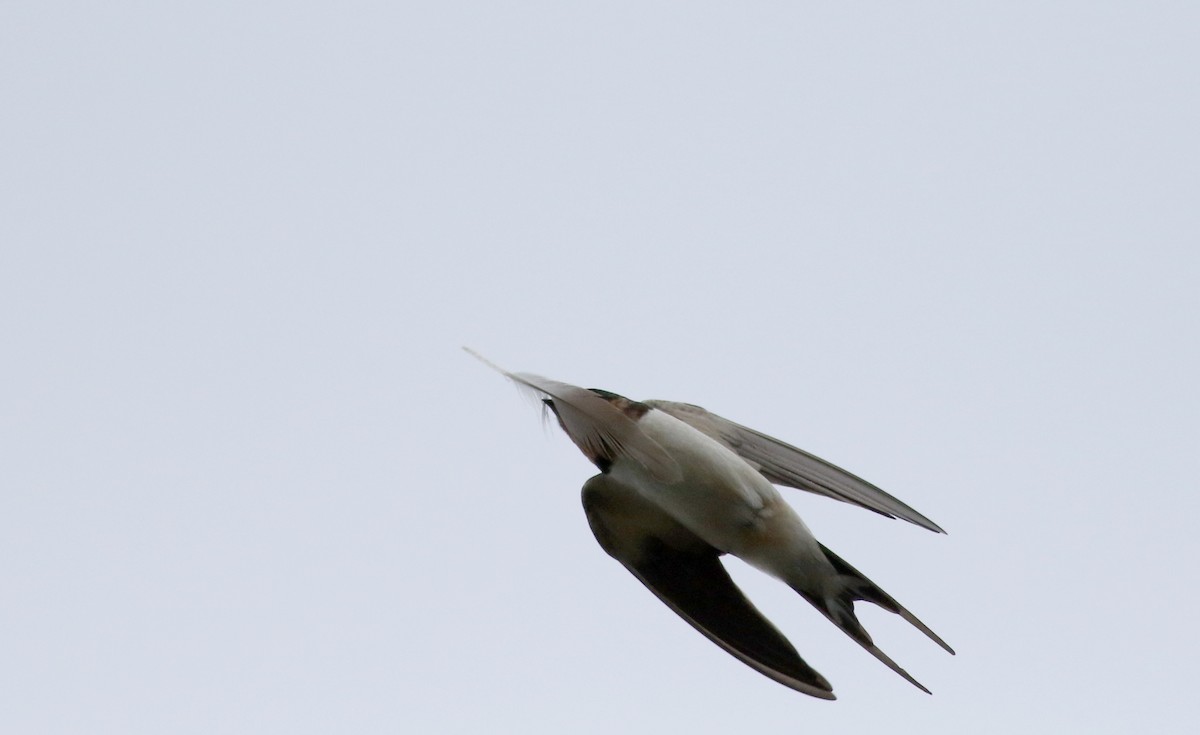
(819, 687)
(484, 360)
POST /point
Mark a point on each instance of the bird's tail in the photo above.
(839, 608)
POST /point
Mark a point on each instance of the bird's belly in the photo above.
(722, 499)
(736, 514)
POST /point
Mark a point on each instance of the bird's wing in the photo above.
(597, 427)
(687, 574)
(783, 464)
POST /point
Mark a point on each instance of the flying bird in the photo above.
(679, 487)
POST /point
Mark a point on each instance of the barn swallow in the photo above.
(679, 487)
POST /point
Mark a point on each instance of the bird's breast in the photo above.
(720, 497)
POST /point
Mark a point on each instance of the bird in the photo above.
(680, 487)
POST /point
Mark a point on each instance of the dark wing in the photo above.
(687, 574)
(783, 464)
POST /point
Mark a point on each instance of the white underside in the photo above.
(726, 502)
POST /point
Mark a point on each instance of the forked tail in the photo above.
(840, 611)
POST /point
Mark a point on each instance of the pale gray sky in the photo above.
(250, 484)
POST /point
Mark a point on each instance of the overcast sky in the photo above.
(249, 483)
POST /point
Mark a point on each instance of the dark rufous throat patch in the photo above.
(633, 409)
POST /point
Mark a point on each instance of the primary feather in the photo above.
(784, 464)
(595, 426)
